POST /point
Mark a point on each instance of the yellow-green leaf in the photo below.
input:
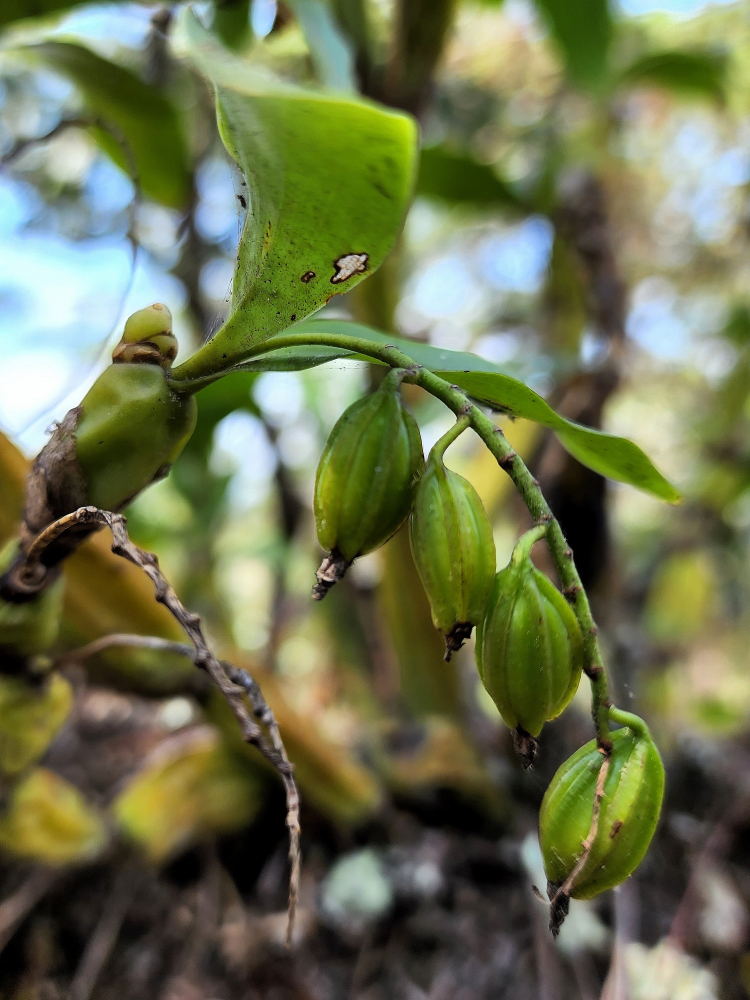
(192, 787)
(30, 718)
(46, 819)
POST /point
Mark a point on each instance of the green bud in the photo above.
(366, 478)
(148, 338)
(130, 429)
(628, 813)
(529, 647)
(453, 549)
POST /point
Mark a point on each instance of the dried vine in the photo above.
(233, 683)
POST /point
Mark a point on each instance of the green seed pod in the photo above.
(628, 813)
(453, 548)
(529, 647)
(366, 478)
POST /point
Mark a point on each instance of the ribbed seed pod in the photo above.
(628, 812)
(453, 548)
(366, 479)
(529, 648)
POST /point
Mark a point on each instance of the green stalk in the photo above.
(440, 447)
(526, 543)
(457, 401)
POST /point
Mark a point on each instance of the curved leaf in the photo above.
(456, 177)
(583, 30)
(611, 456)
(329, 179)
(144, 118)
(700, 72)
(21, 10)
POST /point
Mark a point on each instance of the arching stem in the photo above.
(457, 401)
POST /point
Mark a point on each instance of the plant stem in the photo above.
(440, 446)
(527, 541)
(457, 401)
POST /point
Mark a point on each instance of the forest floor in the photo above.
(429, 900)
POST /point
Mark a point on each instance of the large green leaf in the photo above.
(455, 177)
(583, 30)
(142, 118)
(701, 73)
(329, 179)
(611, 456)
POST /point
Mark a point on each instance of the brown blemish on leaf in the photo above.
(349, 265)
(307, 276)
(267, 238)
(616, 827)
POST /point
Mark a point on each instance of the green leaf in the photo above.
(217, 401)
(232, 23)
(144, 118)
(330, 52)
(701, 73)
(456, 177)
(434, 358)
(611, 456)
(583, 30)
(300, 358)
(20, 10)
(329, 179)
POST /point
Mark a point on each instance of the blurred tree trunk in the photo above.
(576, 494)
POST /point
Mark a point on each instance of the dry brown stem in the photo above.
(232, 682)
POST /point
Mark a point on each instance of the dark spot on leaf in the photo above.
(307, 276)
(293, 317)
(616, 827)
(241, 200)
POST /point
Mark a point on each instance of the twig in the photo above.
(231, 682)
(23, 144)
(104, 937)
(131, 235)
(124, 639)
(16, 907)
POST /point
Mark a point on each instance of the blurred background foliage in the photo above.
(581, 218)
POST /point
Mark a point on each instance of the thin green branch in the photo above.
(457, 401)
(440, 446)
